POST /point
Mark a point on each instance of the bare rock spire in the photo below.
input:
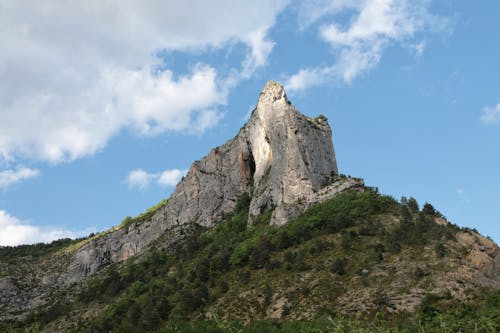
(294, 155)
(281, 158)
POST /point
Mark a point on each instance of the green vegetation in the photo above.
(12, 253)
(318, 120)
(234, 273)
(144, 217)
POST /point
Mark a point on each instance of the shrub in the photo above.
(339, 266)
(440, 250)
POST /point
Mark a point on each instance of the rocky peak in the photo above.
(284, 160)
(273, 93)
(279, 157)
(293, 154)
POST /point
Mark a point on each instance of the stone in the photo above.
(278, 157)
(283, 159)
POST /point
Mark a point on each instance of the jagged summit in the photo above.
(282, 159)
(273, 92)
(359, 252)
(278, 157)
(293, 154)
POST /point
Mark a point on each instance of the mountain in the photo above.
(262, 227)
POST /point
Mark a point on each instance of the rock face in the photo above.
(282, 158)
(278, 157)
(293, 154)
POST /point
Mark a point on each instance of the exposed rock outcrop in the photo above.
(293, 154)
(281, 157)
(286, 162)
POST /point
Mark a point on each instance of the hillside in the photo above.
(358, 254)
(263, 234)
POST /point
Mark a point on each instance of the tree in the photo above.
(429, 209)
(406, 216)
(134, 313)
(413, 205)
(259, 253)
(202, 270)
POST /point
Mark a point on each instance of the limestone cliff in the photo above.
(282, 158)
(293, 154)
(285, 162)
(279, 157)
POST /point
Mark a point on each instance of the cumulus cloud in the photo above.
(309, 77)
(171, 177)
(10, 177)
(491, 114)
(359, 45)
(14, 231)
(140, 179)
(74, 74)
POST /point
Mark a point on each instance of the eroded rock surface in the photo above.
(281, 157)
(278, 157)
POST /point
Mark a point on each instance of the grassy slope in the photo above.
(352, 258)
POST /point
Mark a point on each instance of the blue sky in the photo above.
(103, 106)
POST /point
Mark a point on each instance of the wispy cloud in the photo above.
(359, 45)
(491, 114)
(464, 197)
(419, 48)
(140, 179)
(309, 77)
(10, 177)
(14, 231)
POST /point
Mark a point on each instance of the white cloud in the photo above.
(307, 78)
(10, 177)
(491, 114)
(141, 179)
(313, 10)
(16, 232)
(359, 45)
(419, 48)
(73, 74)
(261, 48)
(171, 177)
